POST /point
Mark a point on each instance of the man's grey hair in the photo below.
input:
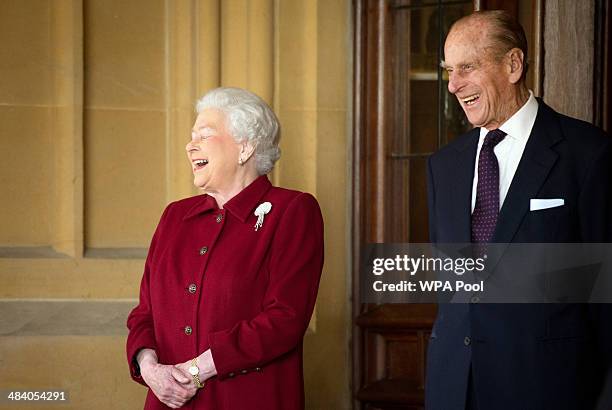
(249, 119)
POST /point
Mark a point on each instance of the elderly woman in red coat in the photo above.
(231, 277)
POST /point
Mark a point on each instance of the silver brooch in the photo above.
(260, 212)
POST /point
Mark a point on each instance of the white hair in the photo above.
(250, 119)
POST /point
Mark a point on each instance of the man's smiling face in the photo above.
(477, 77)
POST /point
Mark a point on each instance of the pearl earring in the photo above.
(240, 161)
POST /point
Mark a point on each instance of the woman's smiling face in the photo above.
(212, 152)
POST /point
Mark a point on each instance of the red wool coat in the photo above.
(212, 281)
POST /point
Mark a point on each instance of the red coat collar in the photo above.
(241, 205)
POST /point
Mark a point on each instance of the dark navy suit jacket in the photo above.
(524, 356)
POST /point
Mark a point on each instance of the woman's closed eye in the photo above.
(201, 136)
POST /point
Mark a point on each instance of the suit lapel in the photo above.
(534, 166)
(463, 174)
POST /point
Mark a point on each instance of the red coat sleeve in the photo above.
(141, 333)
(296, 263)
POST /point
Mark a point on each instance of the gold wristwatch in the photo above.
(194, 371)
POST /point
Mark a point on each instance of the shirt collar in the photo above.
(519, 125)
(240, 205)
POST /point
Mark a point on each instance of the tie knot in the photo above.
(493, 138)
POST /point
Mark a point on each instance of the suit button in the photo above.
(203, 250)
(257, 369)
(467, 341)
(244, 371)
(475, 299)
(193, 288)
(231, 375)
(219, 218)
(188, 330)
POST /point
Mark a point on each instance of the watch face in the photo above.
(193, 370)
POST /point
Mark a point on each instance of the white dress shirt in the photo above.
(510, 150)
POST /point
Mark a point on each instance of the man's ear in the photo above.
(515, 64)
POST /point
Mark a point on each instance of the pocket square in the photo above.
(539, 204)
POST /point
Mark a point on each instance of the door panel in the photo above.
(403, 114)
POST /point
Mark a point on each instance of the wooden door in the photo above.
(403, 114)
